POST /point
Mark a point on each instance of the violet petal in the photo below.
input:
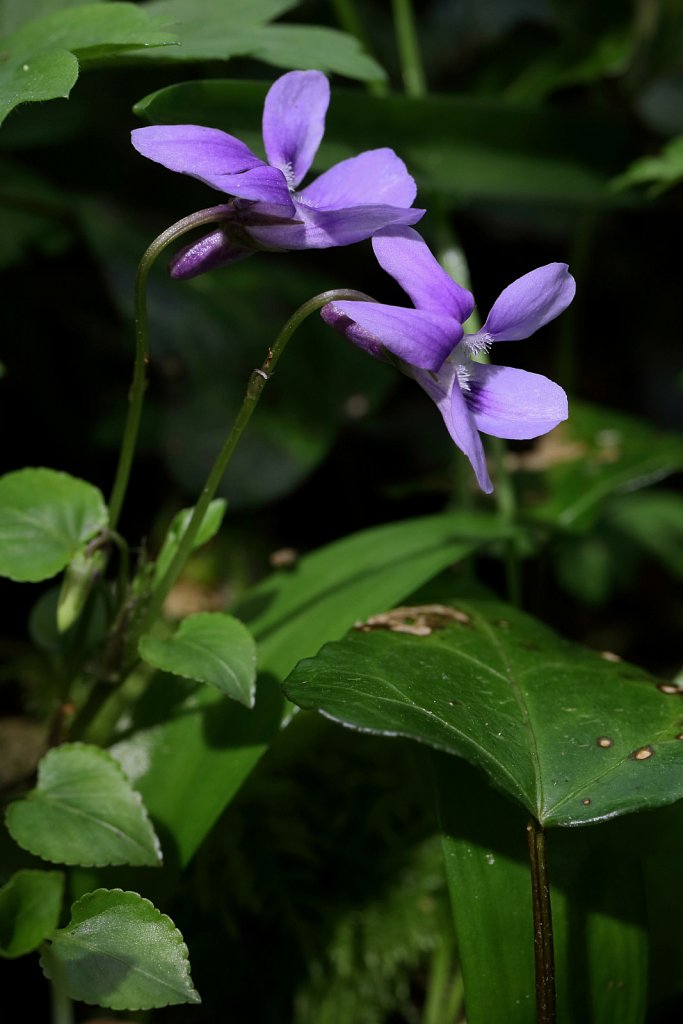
(212, 251)
(511, 403)
(374, 177)
(445, 392)
(214, 157)
(322, 229)
(418, 337)
(404, 254)
(294, 121)
(530, 302)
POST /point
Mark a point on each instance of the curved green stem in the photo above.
(255, 387)
(408, 48)
(137, 390)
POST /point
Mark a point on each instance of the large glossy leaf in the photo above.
(83, 811)
(41, 58)
(573, 736)
(460, 147)
(597, 906)
(30, 904)
(222, 29)
(212, 648)
(45, 518)
(119, 951)
(567, 476)
(291, 614)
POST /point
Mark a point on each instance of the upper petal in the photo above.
(322, 229)
(404, 254)
(513, 403)
(445, 392)
(530, 302)
(418, 337)
(216, 158)
(294, 121)
(376, 176)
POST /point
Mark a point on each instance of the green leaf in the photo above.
(329, 590)
(83, 811)
(574, 737)
(654, 519)
(120, 952)
(45, 76)
(291, 614)
(45, 518)
(29, 910)
(223, 29)
(487, 149)
(568, 475)
(660, 172)
(41, 58)
(597, 905)
(212, 648)
(15, 13)
(211, 524)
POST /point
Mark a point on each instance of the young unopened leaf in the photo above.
(83, 811)
(29, 910)
(573, 736)
(45, 518)
(211, 648)
(210, 526)
(119, 951)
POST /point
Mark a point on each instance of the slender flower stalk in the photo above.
(255, 387)
(137, 391)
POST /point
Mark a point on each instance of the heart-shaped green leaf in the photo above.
(83, 811)
(29, 910)
(211, 648)
(574, 736)
(119, 951)
(45, 518)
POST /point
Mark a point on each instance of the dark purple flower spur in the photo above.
(432, 348)
(346, 204)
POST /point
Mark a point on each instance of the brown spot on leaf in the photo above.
(586, 801)
(453, 703)
(680, 736)
(283, 558)
(604, 742)
(609, 656)
(669, 688)
(503, 624)
(642, 753)
(420, 620)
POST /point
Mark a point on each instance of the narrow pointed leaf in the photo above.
(119, 951)
(83, 811)
(212, 648)
(30, 904)
(210, 526)
(45, 518)
(574, 737)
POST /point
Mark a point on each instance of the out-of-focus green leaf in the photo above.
(210, 526)
(462, 148)
(45, 518)
(119, 951)
(15, 13)
(572, 736)
(567, 476)
(597, 905)
(32, 214)
(41, 58)
(222, 29)
(211, 648)
(660, 172)
(83, 811)
(607, 57)
(30, 904)
(654, 519)
(291, 614)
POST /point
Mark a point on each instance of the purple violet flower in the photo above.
(346, 204)
(432, 348)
